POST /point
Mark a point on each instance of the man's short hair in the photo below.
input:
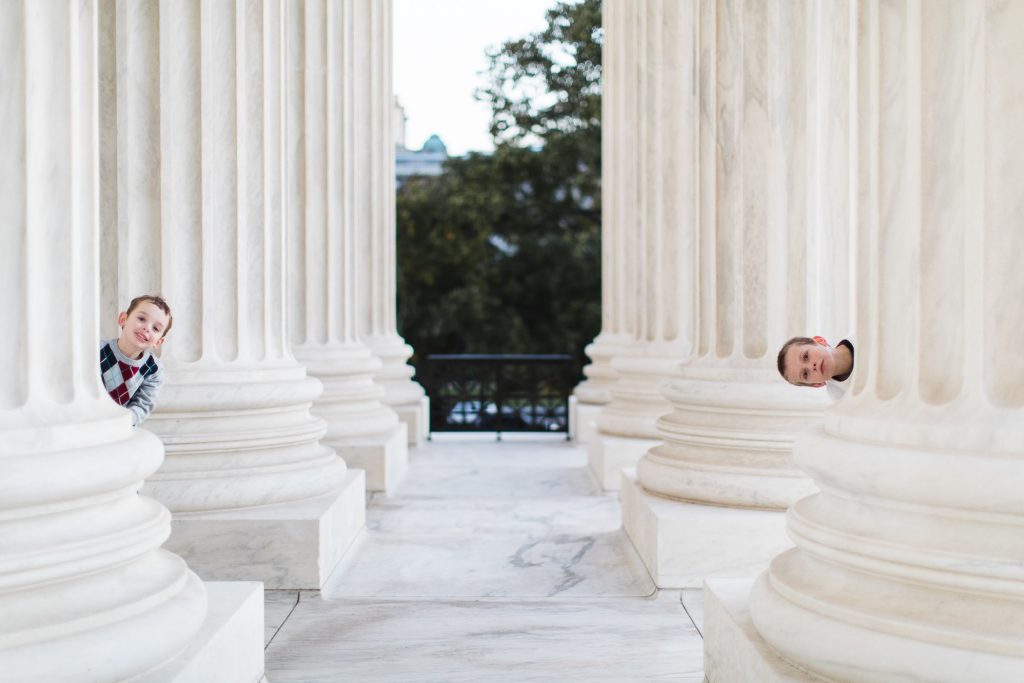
(795, 341)
(157, 301)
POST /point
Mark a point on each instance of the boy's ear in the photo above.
(121, 318)
(820, 340)
(159, 342)
(819, 385)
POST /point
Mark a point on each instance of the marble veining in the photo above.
(692, 600)
(277, 607)
(510, 566)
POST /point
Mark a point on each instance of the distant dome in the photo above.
(434, 144)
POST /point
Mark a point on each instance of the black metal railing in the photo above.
(499, 392)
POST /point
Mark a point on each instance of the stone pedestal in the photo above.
(229, 645)
(86, 592)
(716, 490)
(403, 395)
(734, 651)
(683, 543)
(608, 456)
(582, 420)
(383, 460)
(321, 193)
(415, 419)
(86, 586)
(294, 545)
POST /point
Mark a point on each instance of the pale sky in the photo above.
(439, 54)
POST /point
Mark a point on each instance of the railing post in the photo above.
(499, 372)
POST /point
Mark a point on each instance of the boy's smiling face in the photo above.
(142, 329)
(809, 365)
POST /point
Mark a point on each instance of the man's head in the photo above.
(146, 323)
(807, 361)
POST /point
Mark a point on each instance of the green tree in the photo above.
(501, 253)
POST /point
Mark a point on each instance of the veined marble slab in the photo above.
(492, 561)
(510, 481)
(693, 603)
(293, 545)
(620, 639)
(418, 565)
(575, 514)
(277, 605)
(683, 543)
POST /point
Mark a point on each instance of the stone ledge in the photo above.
(607, 456)
(294, 545)
(384, 458)
(228, 647)
(683, 543)
(734, 651)
(583, 420)
(416, 417)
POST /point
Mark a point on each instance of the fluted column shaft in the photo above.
(618, 161)
(200, 218)
(374, 206)
(86, 592)
(909, 563)
(658, 309)
(321, 179)
(774, 258)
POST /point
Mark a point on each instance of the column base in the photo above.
(583, 420)
(609, 455)
(384, 458)
(416, 418)
(734, 651)
(292, 545)
(683, 543)
(228, 647)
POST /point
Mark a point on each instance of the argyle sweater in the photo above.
(132, 383)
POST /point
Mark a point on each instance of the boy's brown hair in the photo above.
(157, 301)
(782, 352)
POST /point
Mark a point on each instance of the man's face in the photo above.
(143, 328)
(809, 365)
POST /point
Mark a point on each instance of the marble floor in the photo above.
(496, 561)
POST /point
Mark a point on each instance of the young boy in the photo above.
(811, 362)
(131, 373)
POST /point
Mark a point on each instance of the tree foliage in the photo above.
(501, 253)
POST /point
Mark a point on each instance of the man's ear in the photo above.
(820, 340)
(121, 318)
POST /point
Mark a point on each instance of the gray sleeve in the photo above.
(141, 404)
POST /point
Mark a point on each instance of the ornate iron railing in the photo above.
(499, 392)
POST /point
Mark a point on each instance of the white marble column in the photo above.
(321, 178)
(84, 585)
(200, 217)
(374, 207)
(618, 159)
(656, 39)
(775, 232)
(909, 564)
